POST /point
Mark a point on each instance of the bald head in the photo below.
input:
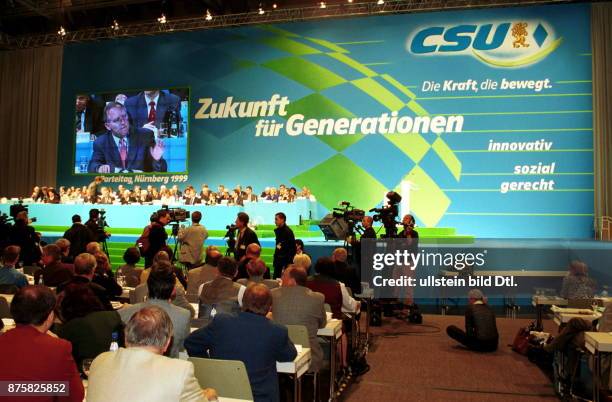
(213, 256)
(257, 299)
(253, 250)
(340, 254)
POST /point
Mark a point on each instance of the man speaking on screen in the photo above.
(125, 149)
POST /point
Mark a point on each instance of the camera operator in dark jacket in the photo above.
(285, 245)
(157, 236)
(96, 225)
(24, 236)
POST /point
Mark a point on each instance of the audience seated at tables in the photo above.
(79, 236)
(480, 328)
(249, 337)
(253, 250)
(299, 247)
(84, 268)
(64, 245)
(30, 353)
(303, 261)
(205, 273)
(164, 256)
(131, 256)
(256, 268)
(570, 342)
(54, 273)
(577, 284)
(8, 273)
(343, 272)
(139, 372)
(294, 304)
(179, 297)
(337, 296)
(103, 276)
(221, 294)
(85, 323)
(93, 247)
(161, 284)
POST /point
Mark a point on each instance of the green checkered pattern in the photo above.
(339, 178)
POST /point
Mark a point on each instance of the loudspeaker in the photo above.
(333, 228)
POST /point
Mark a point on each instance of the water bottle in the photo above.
(114, 346)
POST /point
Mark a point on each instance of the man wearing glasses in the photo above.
(123, 149)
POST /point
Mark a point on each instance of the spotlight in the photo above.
(350, 1)
(162, 19)
(208, 16)
(274, 6)
(380, 2)
(62, 31)
(323, 5)
(115, 26)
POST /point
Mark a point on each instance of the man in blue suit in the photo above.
(125, 149)
(152, 106)
(249, 337)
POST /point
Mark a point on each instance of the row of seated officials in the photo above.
(83, 315)
(189, 196)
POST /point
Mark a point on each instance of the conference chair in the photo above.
(5, 310)
(228, 377)
(139, 294)
(298, 334)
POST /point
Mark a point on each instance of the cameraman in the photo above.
(93, 224)
(157, 236)
(192, 240)
(408, 223)
(368, 230)
(24, 236)
(246, 236)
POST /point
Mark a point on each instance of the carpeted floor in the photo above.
(421, 363)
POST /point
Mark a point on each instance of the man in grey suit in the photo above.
(161, 283)
(206, 273)
(139, 372)
(294, 304)
(192, 240)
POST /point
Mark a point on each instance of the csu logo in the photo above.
(504, 44)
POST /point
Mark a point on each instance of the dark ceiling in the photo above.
(30, 17)
(23, 17)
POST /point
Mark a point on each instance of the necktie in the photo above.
(123, 151)
(79, 121)
(152, 112)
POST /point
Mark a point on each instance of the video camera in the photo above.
(231, 239)
(389, 213)
(177, 214)
(348, 212)
(15, 209)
